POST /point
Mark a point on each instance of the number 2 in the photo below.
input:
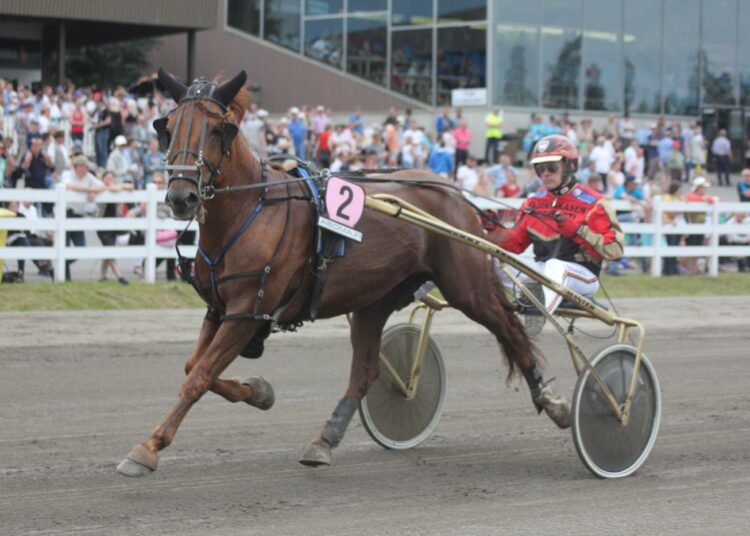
(347, 191)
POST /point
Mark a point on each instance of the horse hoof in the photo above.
(316, 453)
(140, 461)
(261, 396)
(557, 407)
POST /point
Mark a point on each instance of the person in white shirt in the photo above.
(467, 174)
(626, 129)
(120, 163)
(601, 157)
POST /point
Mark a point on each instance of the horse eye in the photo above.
(217, 131)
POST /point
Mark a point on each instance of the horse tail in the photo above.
(518, 350)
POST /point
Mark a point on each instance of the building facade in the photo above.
(653, 57)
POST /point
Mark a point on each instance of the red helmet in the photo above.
(553, 149)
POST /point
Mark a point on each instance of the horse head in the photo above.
(197, 138)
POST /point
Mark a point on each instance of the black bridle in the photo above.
(200, 92)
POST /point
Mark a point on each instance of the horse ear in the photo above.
(162, 134)
(230, 132)
(226, 92)
(176, 89)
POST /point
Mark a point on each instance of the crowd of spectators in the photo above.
(94, 141)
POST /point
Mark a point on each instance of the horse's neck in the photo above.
(226, 210)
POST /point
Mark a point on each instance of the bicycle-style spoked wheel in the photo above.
(391, 420)
(606, 447)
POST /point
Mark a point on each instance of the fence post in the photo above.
(61, 209)
(657, 216)
(713, 241)
(150, 234)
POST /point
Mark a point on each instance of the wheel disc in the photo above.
(606, 447)
(391, 420)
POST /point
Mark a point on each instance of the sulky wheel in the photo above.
(391, 420)
(607, 448)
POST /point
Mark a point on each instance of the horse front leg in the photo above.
(222, 348)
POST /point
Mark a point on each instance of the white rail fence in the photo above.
(653, 233)
(59, 253)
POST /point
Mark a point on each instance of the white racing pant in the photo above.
(570, 275)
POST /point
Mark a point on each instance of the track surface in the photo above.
(73, 403)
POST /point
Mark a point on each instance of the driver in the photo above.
(571, 227)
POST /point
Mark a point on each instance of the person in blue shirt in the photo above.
(441, 161)
(665, 147)
(355, 121)
(444, 122)
(743, 187)
(297, 130)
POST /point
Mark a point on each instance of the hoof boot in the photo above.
(557, 407)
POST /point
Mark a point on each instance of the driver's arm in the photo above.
(601, 231)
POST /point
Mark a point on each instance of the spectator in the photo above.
(153, 161)
(24, 239)
(7, 163)
(626, 130)
(252, 127)
(676, 162)
(511, 187)
(297, 130)
(102, 122)
(602, 157)
(494, 134)
(77, 121)
(322, 150)
(444, 122)
(468, 175)
(615, 178)
(697, 195)
(36, 163)
(120, 164)
(722, 151)
(441, 161)
(462, 135)
(595, 183)
(107, 237)
(698, 152)
(743, 187)
(672, 219)
(747, 153)
(79, 179)
(739, 239)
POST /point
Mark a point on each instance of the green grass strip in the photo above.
(110, 295)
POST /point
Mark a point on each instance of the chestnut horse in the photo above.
(255, 251)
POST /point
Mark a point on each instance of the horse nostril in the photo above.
(192, 199)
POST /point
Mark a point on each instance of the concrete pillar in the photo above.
(190, 57)
(61, 41)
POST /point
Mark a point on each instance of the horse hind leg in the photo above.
(481, 298)
(366, 331)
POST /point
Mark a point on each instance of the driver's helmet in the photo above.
(556, 148)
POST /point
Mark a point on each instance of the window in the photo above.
(718, 74)
(744, 21)
(356, 6)
(526, 12)
(642, 75)
(281, 23)
(603, 15)
(719, 21)
(412, 12)
(324, 41)
(681, 21)
(744, 75)
(461, 10)
(324, 7)
(244, 15)
(516, 65)
(461, 60)
(561, 64)
(602, 63)
(366, 43)
(642, 18)
(411, 63)
(565, 13)
(681, 79)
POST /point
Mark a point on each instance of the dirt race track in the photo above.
(72, 404)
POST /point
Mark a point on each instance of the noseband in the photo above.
(200, 90)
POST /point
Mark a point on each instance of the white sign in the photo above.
(339, 229)
(469, 97)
